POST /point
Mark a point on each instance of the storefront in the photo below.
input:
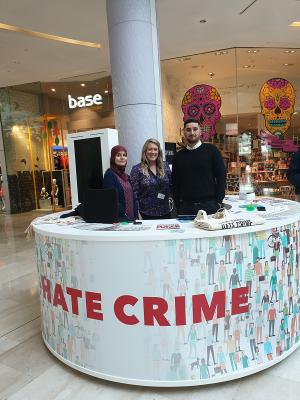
(37, 117)
(241, 111)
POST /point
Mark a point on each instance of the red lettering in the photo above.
(75, 294)
(93, 305)
(59, 298)
(119, 306)
(200, 305)
(155, 308)
(46, 288)
(239, 302)
(180, 310)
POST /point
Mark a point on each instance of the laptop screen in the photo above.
(100, 205)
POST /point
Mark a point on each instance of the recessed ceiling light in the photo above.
(82, 84)
(53, 90)
(105, 91)
(287, 65)
(295, 23)
(252, 51)
(211, 74)
(290, 51)
(202, 21)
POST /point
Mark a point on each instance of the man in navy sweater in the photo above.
(293, 173)
(198, 174)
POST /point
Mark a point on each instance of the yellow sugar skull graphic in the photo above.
(277, 99)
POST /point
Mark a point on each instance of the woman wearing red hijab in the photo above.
(116, 177)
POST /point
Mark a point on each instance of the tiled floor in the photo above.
(29, 371)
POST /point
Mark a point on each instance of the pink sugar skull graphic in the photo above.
(202, 102)
(277, 99)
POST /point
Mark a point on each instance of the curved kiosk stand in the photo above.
(170, 307)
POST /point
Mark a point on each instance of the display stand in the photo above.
(149, 306)
(89, 154)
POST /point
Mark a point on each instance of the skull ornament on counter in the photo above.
(277, 99)
(202, 102)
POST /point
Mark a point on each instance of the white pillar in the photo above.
(135, 66)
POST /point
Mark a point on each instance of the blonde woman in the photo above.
(151, 181)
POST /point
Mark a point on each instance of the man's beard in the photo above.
(192, 141)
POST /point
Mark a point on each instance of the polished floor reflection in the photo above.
(29, 371)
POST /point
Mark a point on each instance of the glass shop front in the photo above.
(246, 99)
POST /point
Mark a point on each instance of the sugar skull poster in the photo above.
(202, 102)
(277, 99)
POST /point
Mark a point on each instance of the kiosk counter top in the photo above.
(278, 212)
(168, 307)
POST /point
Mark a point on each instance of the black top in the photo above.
(293, 173)
(198, 175)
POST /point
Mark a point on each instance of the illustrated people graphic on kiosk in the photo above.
(116, 177)
(151, 182)
(198, 174)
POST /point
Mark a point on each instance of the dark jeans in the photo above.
(166, 216)
(191, 208)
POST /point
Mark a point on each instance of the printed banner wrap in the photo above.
(172, 312)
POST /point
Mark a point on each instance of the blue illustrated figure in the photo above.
(273, 284)
(211, 262)
(238, 260)
(204, 371)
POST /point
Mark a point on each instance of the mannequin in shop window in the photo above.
(2, 204)
(44, 194)
(54, 192)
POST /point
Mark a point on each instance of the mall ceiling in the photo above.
(265, 23)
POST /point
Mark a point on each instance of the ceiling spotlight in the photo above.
(246, 66)
(53, 90)
(105, 91)
(82, 84)
(202, 21)
(252, 51)
(211, 74)
(287, 65)
(290, 51)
